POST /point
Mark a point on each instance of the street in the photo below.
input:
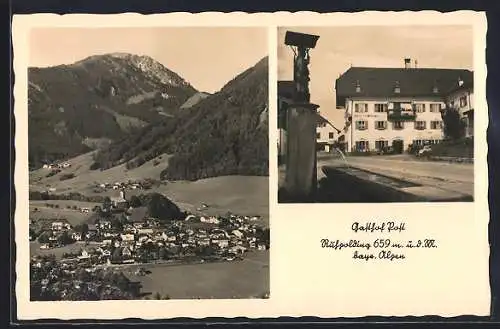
(436, 178)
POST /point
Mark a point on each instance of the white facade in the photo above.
(463, 101)
(325, 136)
(371, 129)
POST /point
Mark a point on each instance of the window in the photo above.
(435, 108)
(418, 142)
(381, 145)
(380, 125)
(463, 101)
(321, 125)
(362, 146)
(420, 125)
(330, 135)
(361, 107)
(380, 108)
(436, 124)
(398, 125)
(420, 108)
(318, 135)
(361, 125)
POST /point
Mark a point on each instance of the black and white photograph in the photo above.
(370, 114)
(148, 163)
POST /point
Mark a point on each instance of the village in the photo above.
(119, 233)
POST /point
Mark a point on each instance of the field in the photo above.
(241, 279)
(244, 195)
(73, 216)
(58, 252)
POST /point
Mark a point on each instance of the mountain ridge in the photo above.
(223, 134)
(101, 96)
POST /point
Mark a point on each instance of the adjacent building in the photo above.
(400, 107)
(325, 132)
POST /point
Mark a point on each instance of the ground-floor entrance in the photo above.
(397, 146)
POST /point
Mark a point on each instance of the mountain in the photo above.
(72, 108)
(223, 134)
(195, 99)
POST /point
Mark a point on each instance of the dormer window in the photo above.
(435, 88)
(397, 89)
(358, 86)
(460, 82)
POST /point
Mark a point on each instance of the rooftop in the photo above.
(414, 82)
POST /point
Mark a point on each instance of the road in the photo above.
(453, 177)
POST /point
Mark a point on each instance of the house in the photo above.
(127, 237)
(204, 242)
(60, 225)
(85, 254)
(145, 230)
(237, 249)
(77, 236)
(107, 242)
(126, 252)
(223, 243)
(399, 107)
(105, 224)
(120, 202)
(461, 98)
(85, 210)
(237, 233)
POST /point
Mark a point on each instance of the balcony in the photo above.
(401, 115)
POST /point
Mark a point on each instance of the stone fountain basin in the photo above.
(352, 184)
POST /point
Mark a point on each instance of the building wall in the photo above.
(326, 135)
(408, 134)
(456, 100)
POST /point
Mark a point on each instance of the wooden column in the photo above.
(301, 176)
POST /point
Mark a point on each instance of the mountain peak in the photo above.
(149, 66)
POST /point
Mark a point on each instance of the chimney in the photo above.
(407, 63)
(416, 64)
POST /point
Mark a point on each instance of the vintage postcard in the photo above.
(147, 185)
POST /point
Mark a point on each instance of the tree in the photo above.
(117, 255)
(454, 127)
(135, 202)
(44, 237)
(106, 204)
(162, 208)
(65, 238)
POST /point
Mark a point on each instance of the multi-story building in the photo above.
(398, 107)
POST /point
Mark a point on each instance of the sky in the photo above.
(339, 48)
(206, 57)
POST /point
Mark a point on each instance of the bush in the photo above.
(67, 176)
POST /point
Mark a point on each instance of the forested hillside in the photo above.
(223, 134)
(103, 97)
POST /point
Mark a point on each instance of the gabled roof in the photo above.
(415, 82)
